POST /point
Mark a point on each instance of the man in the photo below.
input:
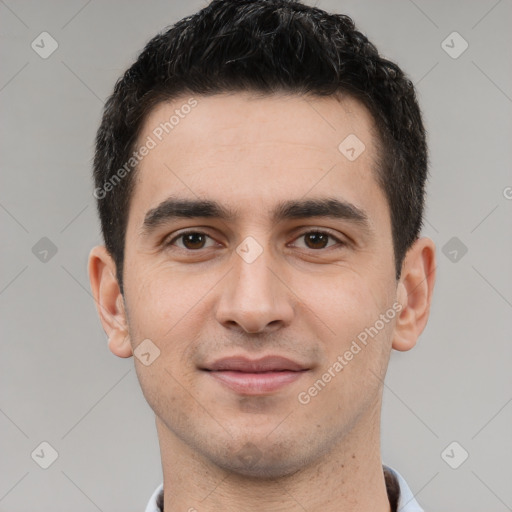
(260, 175)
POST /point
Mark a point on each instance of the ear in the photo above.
(109, 301)
(414, 292)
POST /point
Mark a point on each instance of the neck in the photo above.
(347, 478)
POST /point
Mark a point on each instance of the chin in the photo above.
(261, 459)
(263, 469)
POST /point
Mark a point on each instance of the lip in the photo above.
(255, 376)
(263, 364)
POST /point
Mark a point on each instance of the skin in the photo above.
(298, 299)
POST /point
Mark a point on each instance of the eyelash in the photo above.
(315, 231)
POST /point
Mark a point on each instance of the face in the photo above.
(259, 300)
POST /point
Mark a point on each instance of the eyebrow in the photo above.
(178, 208)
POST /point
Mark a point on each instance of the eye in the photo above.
(319, 239)
(191, 240)
(196, 240)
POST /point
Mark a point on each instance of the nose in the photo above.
(254, 297)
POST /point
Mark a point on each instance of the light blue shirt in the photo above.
(406, 503)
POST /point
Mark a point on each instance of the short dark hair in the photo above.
(265, 46)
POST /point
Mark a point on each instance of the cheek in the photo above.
(344, 303)
(163, 306)
(356, 341)
(165, 300)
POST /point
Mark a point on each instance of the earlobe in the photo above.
(414, 292)
(109, 301)
(121, 347)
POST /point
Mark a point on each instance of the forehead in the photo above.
(247, 151)
(222, 121)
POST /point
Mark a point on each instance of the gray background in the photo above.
(61, 384)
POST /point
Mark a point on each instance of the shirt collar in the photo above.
(406, 503)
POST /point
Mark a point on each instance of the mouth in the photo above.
(255, 377)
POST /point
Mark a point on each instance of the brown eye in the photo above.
(319, 240)
(316, 240)
(191, 240)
